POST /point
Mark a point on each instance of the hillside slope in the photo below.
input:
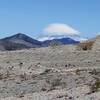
(21, 41)
(18, 41)
(59, 73)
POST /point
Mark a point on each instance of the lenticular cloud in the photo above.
(60, 29)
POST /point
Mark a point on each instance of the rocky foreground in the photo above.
(53, 73)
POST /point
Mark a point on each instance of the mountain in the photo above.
(22, 41)
(18, 41)
(61, 41)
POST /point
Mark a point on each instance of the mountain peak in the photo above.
(19, 41)
(22, 41)
(19, 35)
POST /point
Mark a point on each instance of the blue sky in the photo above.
(33, 16)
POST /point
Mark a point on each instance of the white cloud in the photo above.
(78, 38)
(60, 29)
(50, 37)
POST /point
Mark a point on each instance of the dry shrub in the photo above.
(24, 77)
(95, 72)
(54, 44)
(85, 45)
(1, 76)
(77, 72)
(95, 87)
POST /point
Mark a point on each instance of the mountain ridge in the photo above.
(23, 41)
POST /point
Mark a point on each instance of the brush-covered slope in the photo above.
(18, 41)
(62, 41)
(22, 41)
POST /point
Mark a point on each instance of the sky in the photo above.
(38, 18)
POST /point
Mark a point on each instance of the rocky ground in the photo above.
(53, 73)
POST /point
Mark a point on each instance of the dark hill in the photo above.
(18, 41)
(22, 41)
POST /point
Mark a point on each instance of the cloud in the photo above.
(78, 38)
(57, 31)
(60, 29)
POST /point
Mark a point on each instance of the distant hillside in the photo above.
(18, 41)
(22, 41)
(96, 45)
(61, 41)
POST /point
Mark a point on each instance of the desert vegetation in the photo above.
(85, 45)
(96, 86)
(61, 73)
(54, 44)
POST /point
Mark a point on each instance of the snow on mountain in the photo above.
(76, 38)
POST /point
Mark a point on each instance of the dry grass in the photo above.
(54, 44)
(95, 87)
(85, 45)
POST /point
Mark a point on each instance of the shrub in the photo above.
(46, 72)
(23, 77)
(77, 72)
(54, 44)
(94, 72)
(54, 83)
(85, 45)
(1, 76)
(95, 87)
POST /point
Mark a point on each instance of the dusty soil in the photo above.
(53, 73)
